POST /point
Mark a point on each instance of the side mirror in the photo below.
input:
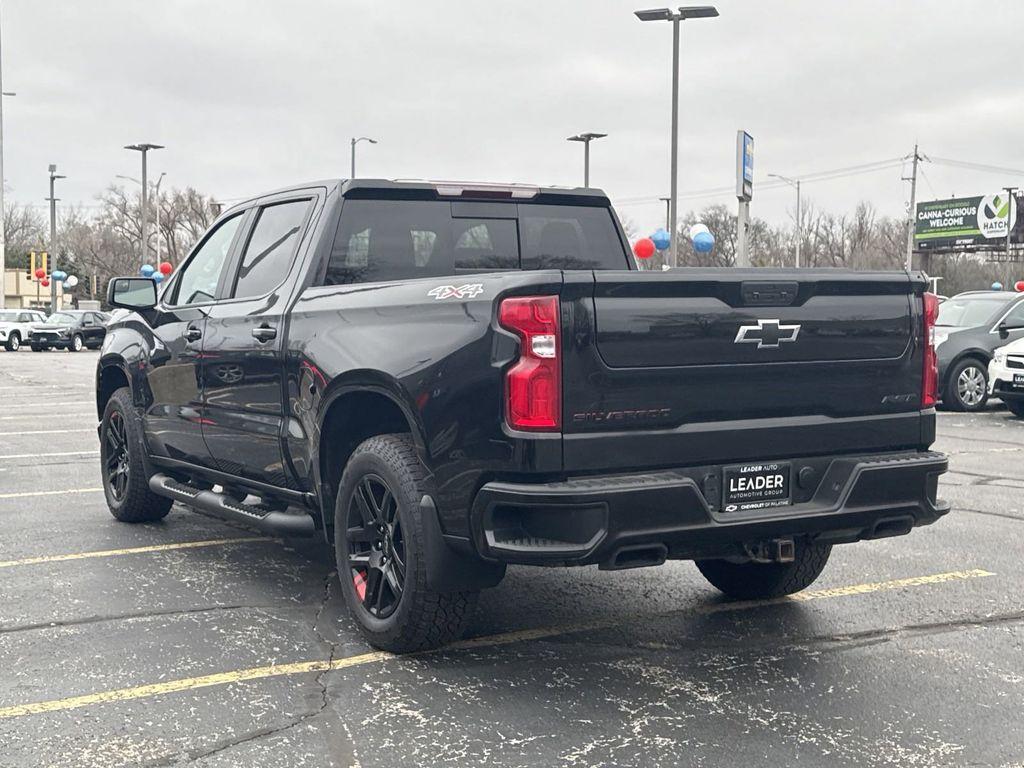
(132, 293)
(1004, 331)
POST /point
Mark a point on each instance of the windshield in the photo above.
(8, 317)
(969, 312)
(60, 318)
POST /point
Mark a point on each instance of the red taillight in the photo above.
(930, 379)
(533, 385)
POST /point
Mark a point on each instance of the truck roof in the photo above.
(423, 189)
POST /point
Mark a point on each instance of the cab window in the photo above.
(198, 279)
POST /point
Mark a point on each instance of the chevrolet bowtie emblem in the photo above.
(767, 334)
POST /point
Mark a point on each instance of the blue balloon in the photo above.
(997, 286)
(147, 270)
(157, 277)
(703, 242)
(59, 275)
(661, 239)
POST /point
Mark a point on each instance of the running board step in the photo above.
(225, 507)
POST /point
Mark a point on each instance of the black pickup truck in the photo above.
(442, 379)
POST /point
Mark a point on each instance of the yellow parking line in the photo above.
(130, 551)
(25, 494)
(323, 665)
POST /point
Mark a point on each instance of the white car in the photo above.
(15, 326)
(1006, 376)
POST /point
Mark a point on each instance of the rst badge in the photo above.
(767, 334)
(468, 291)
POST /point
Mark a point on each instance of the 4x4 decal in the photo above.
(468, 291)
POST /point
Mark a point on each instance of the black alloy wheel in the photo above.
(115, 457)
(376, 547)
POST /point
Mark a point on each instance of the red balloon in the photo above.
(165, 268)
(40, 273)
(1019, 286)
(45, 283)
(644, 248)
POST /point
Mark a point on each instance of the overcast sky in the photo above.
(251, 95)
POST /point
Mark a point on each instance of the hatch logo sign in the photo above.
(994, 211)
(468, 291)
(767, 334)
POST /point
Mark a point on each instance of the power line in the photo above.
(976, 166)
(834, 173)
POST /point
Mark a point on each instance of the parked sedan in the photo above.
(969, 328)
(70, 329)
(1006, 376)
(15, 326)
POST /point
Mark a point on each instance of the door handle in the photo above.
(264, 333)
(193, 334)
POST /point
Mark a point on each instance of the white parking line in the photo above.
(24, 416)
(46, 432)
(25, 494)
(30, 385)
(48, 455)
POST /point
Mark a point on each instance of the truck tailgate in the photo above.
(699, 366)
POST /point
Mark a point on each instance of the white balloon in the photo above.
(697, 229)
(70, 281)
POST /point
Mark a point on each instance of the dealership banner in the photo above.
(964, 221)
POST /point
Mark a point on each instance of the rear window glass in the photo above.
(380, 240)
(969, 312)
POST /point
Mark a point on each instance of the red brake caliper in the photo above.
(359, 580)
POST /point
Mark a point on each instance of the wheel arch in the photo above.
(352, 412)
(110, 377)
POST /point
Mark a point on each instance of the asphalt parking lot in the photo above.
(196, 642)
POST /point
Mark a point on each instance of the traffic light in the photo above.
(30, 265)
(44, 261)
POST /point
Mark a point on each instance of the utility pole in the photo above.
(53, 237)
(912, 218)
(144, 244)
(3, 216)
(1010, 202)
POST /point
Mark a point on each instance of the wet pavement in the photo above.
(194, 641)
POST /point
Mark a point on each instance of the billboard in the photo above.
(744, 166)
(965, 222)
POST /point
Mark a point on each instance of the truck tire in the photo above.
(13, 342)
(760, 581)
(123, 464)
(967, 386)
(379, 543)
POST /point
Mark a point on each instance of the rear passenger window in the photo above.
(570, 237)
(271, 247)
(381, 240)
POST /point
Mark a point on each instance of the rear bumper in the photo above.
(600, 520)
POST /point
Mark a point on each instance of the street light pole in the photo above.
(665, 14)
(354, 142)
(144, 243)
(585, 139)
(157, 188)
(53, 237)
(799, 228)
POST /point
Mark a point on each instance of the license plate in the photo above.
(757, 486)
(1018, 379)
